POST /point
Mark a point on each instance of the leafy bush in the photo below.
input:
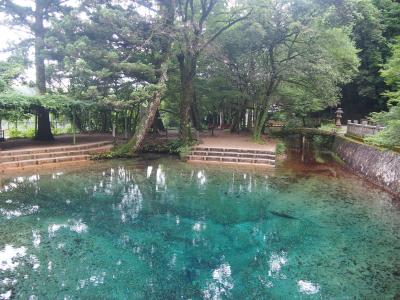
(280, 148)
(390, 136)
(328, 127)
(16, 133)
(65, 130)
(179, 147)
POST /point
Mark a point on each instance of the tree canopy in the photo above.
(241, 62)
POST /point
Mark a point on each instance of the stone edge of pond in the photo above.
(382, 167)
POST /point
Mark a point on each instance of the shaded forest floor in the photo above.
(219, 139)
(243, 140)
(61, 140)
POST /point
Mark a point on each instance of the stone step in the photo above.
(32, 162)
(233, 154)
(23, 157)
(235, 150)
(8, 153)
(231, 159)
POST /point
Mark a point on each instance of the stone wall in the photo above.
(380, 167)
(362, 130)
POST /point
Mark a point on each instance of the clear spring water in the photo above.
(162, 229)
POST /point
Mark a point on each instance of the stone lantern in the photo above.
(338, 114)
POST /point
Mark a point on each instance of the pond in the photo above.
(158, 228)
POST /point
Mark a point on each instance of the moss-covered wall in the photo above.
(380, 167)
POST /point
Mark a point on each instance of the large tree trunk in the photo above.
(259, 124)
(44, 129)
(147, 118)
(262, 115)
(186, 99)
(238, 117)
(104, 122)
(187, 67)
(158, 123)
(194, 112)
(146, 122)
(79, 124)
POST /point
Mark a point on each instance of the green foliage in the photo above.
(280, 148)
(17, 133)
(328, 127)
(287, 60)
(66, 130)
(177, 147)
(374, 26)
(180, 147)
(390, 136)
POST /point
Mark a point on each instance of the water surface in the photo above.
(158, 228)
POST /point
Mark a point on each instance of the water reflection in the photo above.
(6, 295)
(77, 226)
(307, 287)
(57, 175)
(199, 226)
(93, 280)
(19, 181)
(201, 177)
(131, 203)
(276, 262)
(36, 238)
(24, 210)
(160, 178)
(221, 283)
(191, 232)
(9, 257)
(149, 171)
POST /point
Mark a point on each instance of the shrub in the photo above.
(280, 148)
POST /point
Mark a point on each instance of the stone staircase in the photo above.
(17, 159)
(232, 156)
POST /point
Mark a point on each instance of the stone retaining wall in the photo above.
(380, 167)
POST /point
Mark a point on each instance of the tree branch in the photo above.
(221, 30)
(17, 12)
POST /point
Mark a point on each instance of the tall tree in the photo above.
(32, 16)
(300, 57)
(374, 26)
(195, 37)
(167, 16)
(390, 136)
(116, 55)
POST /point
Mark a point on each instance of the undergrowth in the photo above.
(177, 147)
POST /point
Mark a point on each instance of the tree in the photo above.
(234, 69)
(32, 17)
(10, 71)
(195, 37)
(390, 136)
(167, 13)
(300, 58)
(374, 25)
(116, 56)
(107, 56)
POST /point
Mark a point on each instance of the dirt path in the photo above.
(15, 144)
(224, 139)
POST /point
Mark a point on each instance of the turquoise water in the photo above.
(163, 229)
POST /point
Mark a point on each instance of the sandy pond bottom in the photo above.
(158, 228)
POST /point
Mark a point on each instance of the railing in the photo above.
(362, 130)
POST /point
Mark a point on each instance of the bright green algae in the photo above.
(162, 229)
